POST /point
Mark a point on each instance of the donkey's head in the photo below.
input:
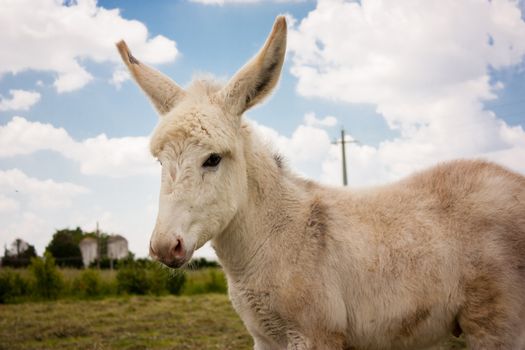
(199, 145)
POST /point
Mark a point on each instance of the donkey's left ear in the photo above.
(163, 92)
(258, 77)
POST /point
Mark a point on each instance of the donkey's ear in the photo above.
(258, 77)
(163, 92)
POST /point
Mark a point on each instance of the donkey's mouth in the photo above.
(175, 256)
(176, 264)
(179, 261)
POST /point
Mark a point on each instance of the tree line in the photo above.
(65, 250)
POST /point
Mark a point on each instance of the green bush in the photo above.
(175, 282)
(163, 280)
(6, 286)
(158, 278)
(21, 286)
(48, 281)
(12, 286)
(89, 284)
(132, 280)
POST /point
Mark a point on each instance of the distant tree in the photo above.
(19, 255)
(64, 247)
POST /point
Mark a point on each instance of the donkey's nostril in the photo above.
(171, 253)
(178, 249)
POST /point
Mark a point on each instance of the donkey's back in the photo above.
(441, 251)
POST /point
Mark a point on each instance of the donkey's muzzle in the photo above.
(172, 255)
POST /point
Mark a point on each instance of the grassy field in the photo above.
(147, 322)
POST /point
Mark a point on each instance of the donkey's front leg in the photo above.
(321, 341)
(261, 344)
(297, 341)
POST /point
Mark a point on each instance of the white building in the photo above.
(117, 247)
(89, 250)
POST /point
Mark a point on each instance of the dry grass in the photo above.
(198, 322)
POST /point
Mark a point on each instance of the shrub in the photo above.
(175, 282)
(6, 286)
(12, 286)
(21, 286)
(132, 280)
(48, 280)
(89, 283)
(158, 278)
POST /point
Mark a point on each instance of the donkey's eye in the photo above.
(213, 160)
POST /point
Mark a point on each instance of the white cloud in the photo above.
(307, 147)
(115, 157)
(311, 120)
(100, 155)
(8, 204)
(20, 137)
(229, 2)
(119, 76)
(59, 38)
(305, 150)
(426, 72)
(72, 79)
(28, 226)
(224, 2)
(21, 100)
(39, 194)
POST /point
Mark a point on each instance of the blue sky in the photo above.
(416, 83)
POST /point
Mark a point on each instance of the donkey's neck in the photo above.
(275, 201)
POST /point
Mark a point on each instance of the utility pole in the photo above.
(98, 247)
(343, 143)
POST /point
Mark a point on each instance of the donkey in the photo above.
(314, 267)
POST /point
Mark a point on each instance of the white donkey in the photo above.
(314, 267)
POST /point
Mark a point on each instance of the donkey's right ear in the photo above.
(252, 83)
(163, 92)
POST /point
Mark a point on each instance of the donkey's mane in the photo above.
(204, 86)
